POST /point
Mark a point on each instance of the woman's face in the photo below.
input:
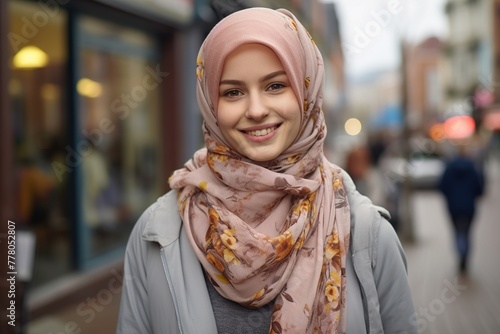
(258, 112)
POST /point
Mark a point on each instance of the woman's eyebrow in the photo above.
(272, 75)
(264, 78)
(231, 82)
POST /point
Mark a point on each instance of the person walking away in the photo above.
(461, 186)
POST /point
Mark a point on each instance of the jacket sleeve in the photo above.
(134, 316)
(395, 297)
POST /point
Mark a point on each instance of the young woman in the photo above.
(261, 233)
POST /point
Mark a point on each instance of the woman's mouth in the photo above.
(261, 135)
(262, 132)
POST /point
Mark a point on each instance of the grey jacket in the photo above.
(164, 289)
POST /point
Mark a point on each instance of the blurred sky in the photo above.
(371, 30)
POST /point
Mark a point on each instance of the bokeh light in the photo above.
(353, 126)
(459, 127)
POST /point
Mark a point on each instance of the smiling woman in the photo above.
(259, 223)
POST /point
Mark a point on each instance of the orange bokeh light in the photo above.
(436, 132)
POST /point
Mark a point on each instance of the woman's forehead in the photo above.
(252, 57)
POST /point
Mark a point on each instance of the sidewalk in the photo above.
(445, 301)
(97, 313)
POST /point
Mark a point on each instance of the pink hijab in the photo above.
(275, 231)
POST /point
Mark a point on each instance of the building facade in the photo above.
(425, 68)
(94, 100)
(469, 52)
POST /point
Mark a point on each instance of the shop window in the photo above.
(37, 89)
(118, 85)
(85, 167)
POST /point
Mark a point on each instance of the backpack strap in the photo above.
(365, 226)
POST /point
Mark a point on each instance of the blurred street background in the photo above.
(98, 108)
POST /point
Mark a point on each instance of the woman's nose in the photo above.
(257, 108)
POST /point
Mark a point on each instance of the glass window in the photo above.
(119, 82)
(37, 89)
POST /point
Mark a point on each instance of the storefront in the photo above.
(93, 105)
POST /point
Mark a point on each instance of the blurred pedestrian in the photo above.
(461, 185)
(261, 233)
(377, 144)
(366, 176)
(36, 193)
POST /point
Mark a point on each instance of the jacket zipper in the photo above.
(170, 286)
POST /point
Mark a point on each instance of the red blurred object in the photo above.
(459, 127)
(492, 120)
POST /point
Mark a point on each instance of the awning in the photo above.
(389, 117)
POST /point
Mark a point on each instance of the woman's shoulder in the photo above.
(160, 222)
(371, 231)
(370, 228)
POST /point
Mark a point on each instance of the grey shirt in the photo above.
(231, 317)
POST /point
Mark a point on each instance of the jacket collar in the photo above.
(164, 223)
(356, 199)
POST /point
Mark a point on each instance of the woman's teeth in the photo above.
(263, 132)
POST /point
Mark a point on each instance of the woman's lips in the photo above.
(261, 135)
(263, 132)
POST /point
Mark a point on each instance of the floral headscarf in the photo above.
(274, 231)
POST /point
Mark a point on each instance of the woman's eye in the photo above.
(275, 86)
(232, 93)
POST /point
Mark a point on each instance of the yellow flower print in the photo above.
(307, 311)
(212, 158)
(223, 279)
(203, 185)
(335, 277)
(215, 262)
(296, 209)
(259, 294)
(182, 204)
(218, 245)
(221, 149)
(292, 24)
(200, 67)
(306, 104)
(293, 159)
(307, 82)
(228, 239)
(330, 252)
(331, 248)
(283, 245)
(213, 217)
(334, 237)
(332, 293)
(305, 205)
(300, 241)
(229, 257)
(211, 161)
